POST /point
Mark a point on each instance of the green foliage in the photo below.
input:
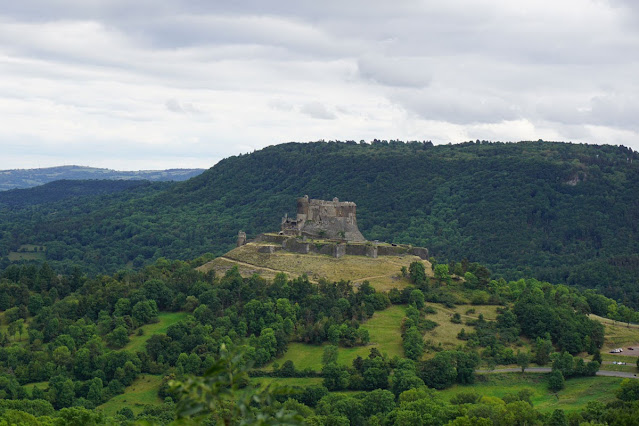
(449, 367)
(413, 343)
(523, 360)
(330, 355)
(226, 380)
(556, 381)
(417, 274)
(335, 377)
(629, 390)
(457, 200)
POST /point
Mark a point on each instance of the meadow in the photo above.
(575, 396)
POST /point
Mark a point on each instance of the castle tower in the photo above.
(241, 238)
(328, 219)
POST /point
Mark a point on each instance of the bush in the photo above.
(556, 381)
(465, 398)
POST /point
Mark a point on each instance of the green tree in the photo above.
(441, 273)
(439, 372)
(558, 418)
(523, 360)
(417, 273)
(226, 379)
(335, 377)
(122, 307)
(65, 394)
(542, 350)
(417, 298)
(329, 356)
(16, 327)
(629, 390)
(556, 381)
(118, 338)
(145, 311)
(413, 343)
(95, 391)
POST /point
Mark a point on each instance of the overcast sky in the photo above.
(151, 84)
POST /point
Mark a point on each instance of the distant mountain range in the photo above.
(28, 178)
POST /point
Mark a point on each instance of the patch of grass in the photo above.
(15, 256)
(384, 329)
(166, 319)
(618, 335)
(630, 367)
(614, 357)
(29, 386)
(576, 395)
(28, 252)
(382, 272)
(143, 391)
(446, 332)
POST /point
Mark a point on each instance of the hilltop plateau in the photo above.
(382, 272)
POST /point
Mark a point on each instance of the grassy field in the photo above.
(619, 334)
(166, 319)
(577, 393)
(29, 386)
(144, 390)
(446, 332)
(15, 256)
(382, 272)
(384, 328)
(28, 252)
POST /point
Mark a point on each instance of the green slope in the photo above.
(561, 212)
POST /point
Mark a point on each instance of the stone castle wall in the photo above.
(325, 219)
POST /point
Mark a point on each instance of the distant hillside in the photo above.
(28, 178)
(64, 189)
(558, 211)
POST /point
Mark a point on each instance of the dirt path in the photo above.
(372, 278)
(250, 265)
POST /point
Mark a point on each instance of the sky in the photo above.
(155, 84)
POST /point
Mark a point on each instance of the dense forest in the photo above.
(73, 343)
(60, 190)
(28, 178)
(561, 212)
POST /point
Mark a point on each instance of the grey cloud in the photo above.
(182, 108)
(610, 109)
(407, 72)
(317, 110)
(454, 68)
(455, 106)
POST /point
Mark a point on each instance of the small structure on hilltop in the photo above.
(326, 227)
(241, 238)
(335, 220)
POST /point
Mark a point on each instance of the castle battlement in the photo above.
(326, 227)
(324, 219)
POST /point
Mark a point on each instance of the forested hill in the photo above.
(560, 212)
(64, 189)
(28, 178)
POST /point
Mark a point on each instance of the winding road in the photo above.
(548, 370)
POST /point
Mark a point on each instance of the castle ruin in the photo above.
(334, 220)
(329, 228)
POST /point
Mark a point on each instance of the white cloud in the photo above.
(164, 82)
